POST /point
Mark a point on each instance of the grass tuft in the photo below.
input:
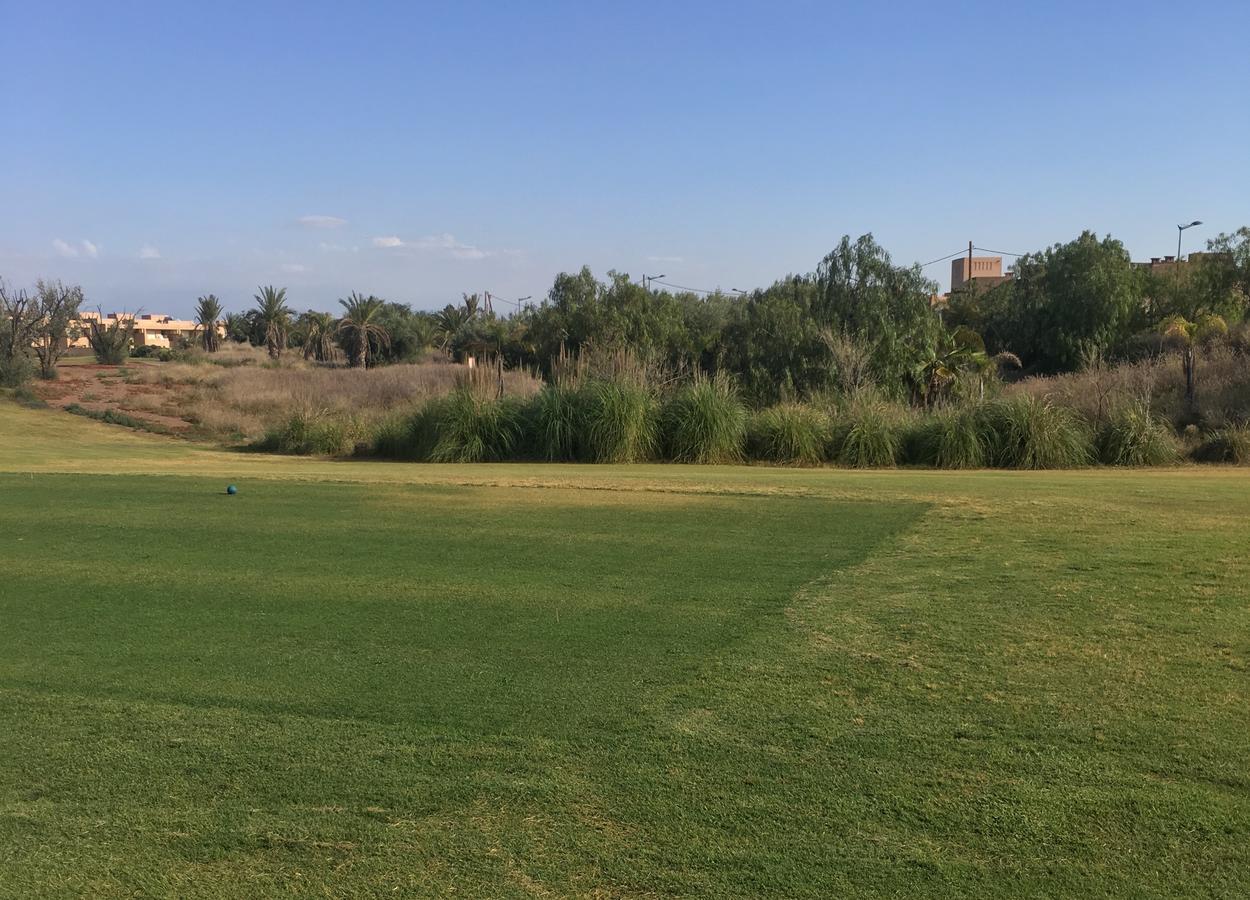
(789, 433)
(1228, 445)
(1136, 437)
(620, 420)
(1024, 432)
(705, 421)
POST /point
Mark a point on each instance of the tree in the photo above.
(238, 328)
(862, 294)
(447, 322)
(1073, 302)
(110, 338)
(1186, 336)
(56, 312)
(359, 328)
(317, 331)
(273, 317)
(17, 334)
(207, 314)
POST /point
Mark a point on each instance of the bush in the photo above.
(15, 370)
(117, 417)
(313, 433)
(619, 420)
(472, 427)
(1024, 432)
(949, 439)
(705, 421)
(867, 437)
(1136, 437)
(555, 422)
(790, 433)
(1228, 445)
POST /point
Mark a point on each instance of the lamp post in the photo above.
(1180, 229)
(647, 279)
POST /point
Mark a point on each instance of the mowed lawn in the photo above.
(359, 679)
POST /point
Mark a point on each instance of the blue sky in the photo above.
(157, 151)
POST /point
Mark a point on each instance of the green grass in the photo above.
(362, 678)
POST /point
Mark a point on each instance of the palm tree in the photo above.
(274, 316)
(359, 328)
(447, 322)
(1181, 334)
(207, 314)
(237, 327)
(318, 332)
(471, 302)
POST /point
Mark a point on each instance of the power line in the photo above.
(682, 287)
(999, 252)
(943, 258)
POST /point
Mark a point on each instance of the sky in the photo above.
(154, 152)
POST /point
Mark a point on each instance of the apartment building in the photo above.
(149, 330)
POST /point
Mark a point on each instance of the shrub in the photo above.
(472, 427)
(619, 420)
(15, 369)
(705, 421)
(949, 439)
(791, 433)
(867, 437)
(1228, 445)
(1024, 432)
(313, 433)
(117, 417)
(555, 422)
(1136, 437)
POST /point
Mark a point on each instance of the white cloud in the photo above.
(70, 251)
(444, 244)
(321, 221)
(293, 268)
(666, 259)
(147, 251)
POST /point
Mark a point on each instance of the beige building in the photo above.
(150, 330)
(982, 271)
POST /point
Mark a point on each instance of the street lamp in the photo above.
(647, 279)
(1180, 229)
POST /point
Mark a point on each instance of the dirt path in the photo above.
(99, 388)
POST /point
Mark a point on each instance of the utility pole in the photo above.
(968, 274)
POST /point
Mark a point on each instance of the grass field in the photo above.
(359, 679)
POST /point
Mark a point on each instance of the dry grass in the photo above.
(1100, 392)
(243, 400)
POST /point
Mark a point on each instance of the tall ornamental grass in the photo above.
(867, 436)
(1228, 445)
(705, 421)
(949, 439)
(314, 433)
(793, 434)
(1134, 436)
(620, 419)
(1025, 432)
(473, 427)
(555, 423)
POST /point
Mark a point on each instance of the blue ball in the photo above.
(231, 489)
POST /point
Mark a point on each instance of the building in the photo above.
(1158, 265)
(149, 330)
(982, 271)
